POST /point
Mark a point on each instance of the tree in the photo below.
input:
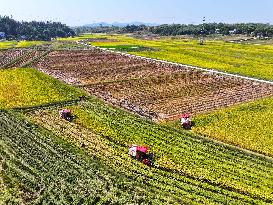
(33, 30)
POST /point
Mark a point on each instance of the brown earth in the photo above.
(152, 89)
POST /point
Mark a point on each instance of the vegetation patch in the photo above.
(28, 87)
(188, 169)
(20, 44)
(82, 37)
(249, 60)
(27, 44)
(128, 48)
(7, 44)
(248, 125)
(37, 167)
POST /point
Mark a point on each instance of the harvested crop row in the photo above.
(40, 168)
(149, 88)
(7, 56)
(95, 66)
(29, 56)
(188, 169)
(16, 58)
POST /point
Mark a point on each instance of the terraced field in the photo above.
(149, 88)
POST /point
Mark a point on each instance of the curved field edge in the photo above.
(186, 165)
(249, 60)
(248, 125)
(25, 87)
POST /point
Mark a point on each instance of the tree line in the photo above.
(34, 30)
(254, 29)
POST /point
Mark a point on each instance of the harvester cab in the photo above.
(141, 154)
(66, 114)
(186, 122)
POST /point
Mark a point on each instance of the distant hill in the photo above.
(118, 24)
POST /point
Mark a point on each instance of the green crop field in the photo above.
(36, 167)
(25, 44)
(127, 48)
(247, 125)
(77, 38)
(7, 44)
(47, 160)
(245, 59)
(19, 44)
(188, 169)
(28, 87)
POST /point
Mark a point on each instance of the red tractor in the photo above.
(141, 154)
(186, 122)
(66, 114)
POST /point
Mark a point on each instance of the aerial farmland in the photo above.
(136, 114)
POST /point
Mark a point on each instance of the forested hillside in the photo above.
(33, 30)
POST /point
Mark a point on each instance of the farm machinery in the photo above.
(141, 154)
(66, 114)
(186, 122)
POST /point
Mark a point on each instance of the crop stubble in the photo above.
(157, 90)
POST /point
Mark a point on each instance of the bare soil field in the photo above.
(7, 56)
(153, 89)
(14, 58)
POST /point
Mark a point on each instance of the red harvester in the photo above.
(141, 154)
(66, 114)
